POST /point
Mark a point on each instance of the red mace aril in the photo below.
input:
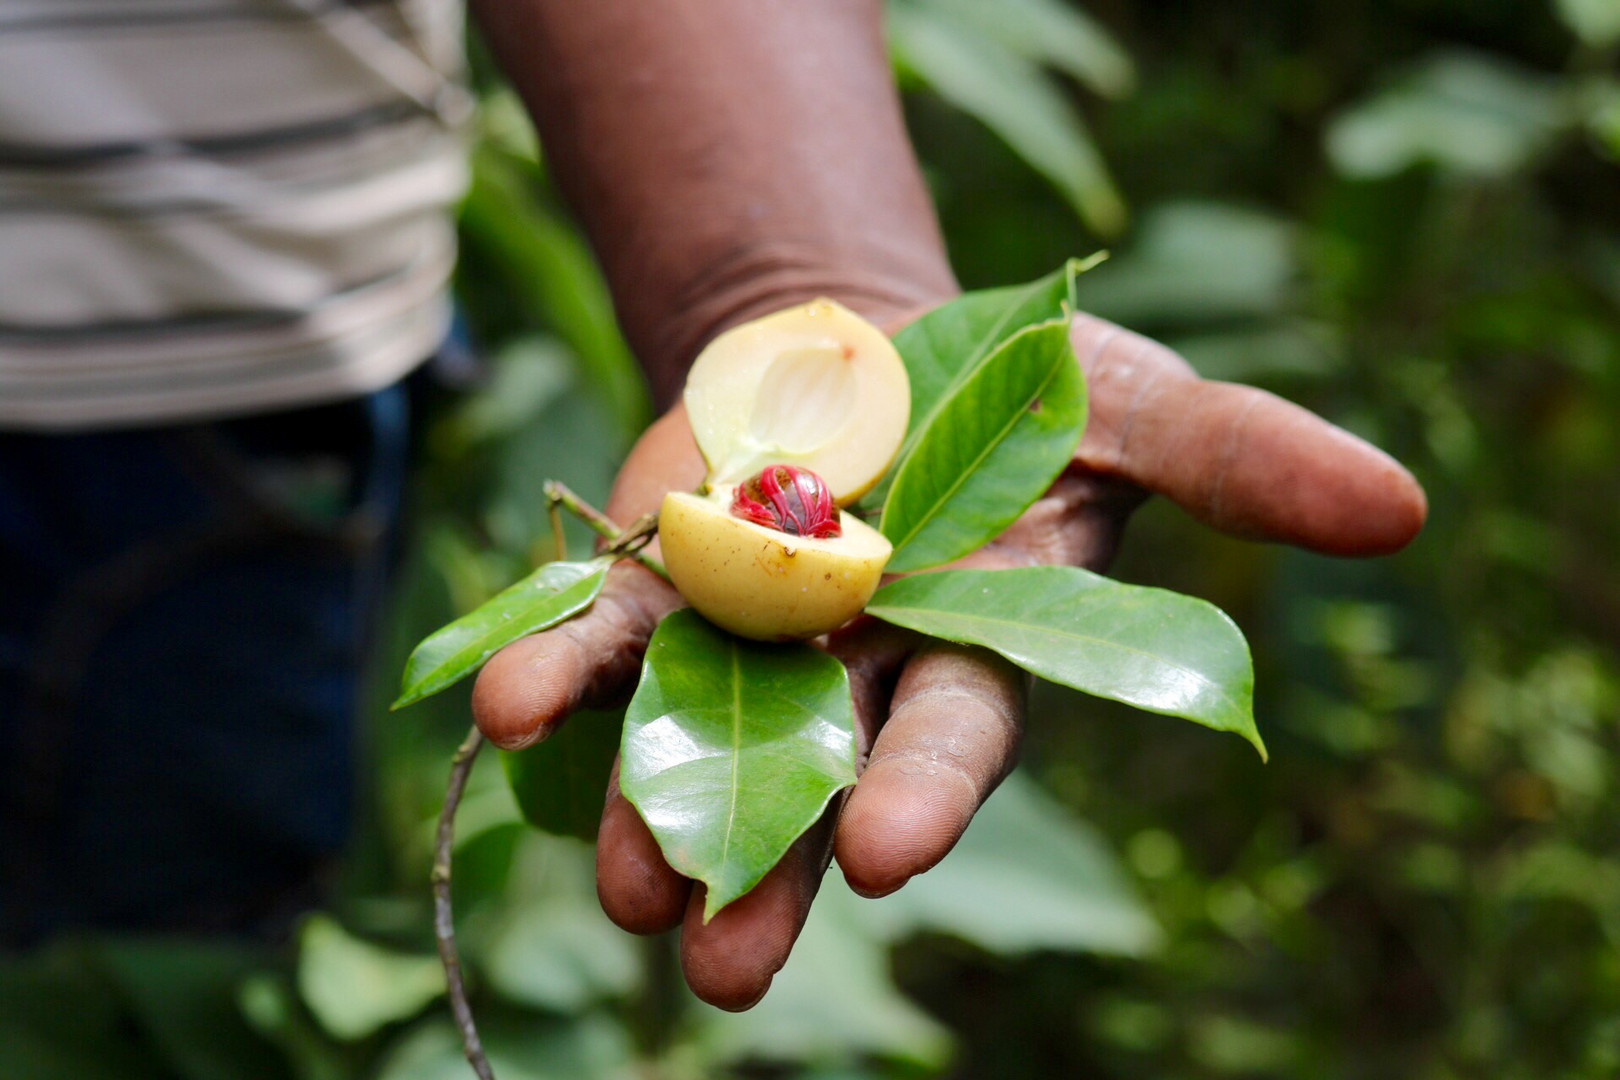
(792, 500)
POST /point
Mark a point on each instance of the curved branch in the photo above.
(444, 928)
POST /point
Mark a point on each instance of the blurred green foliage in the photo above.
(1401, 214)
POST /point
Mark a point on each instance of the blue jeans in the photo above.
(184, 612)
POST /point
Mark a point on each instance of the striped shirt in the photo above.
(211, 207)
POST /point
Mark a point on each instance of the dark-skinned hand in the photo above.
(939, 725)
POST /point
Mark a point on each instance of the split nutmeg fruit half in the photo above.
(815, 390)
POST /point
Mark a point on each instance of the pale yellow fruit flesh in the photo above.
(762, 583)
(815, 386)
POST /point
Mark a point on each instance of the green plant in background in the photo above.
(1423, 885)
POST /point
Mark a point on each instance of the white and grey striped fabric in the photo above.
(210, 207)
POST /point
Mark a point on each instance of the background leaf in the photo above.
(64, 1014)
(184, 995)
(1008, 94)
(992, 450)
(560, 784)
(1049, 876)
(834, 1000)
(507, 224)
(550, 946)
(354, 987)
(1468, 113)
(1050, 879)
(1055, 34)
(1151, 648)
(521, 1047)
(1597, 22)
(1195, 263)
(556, 591)
(732, 749)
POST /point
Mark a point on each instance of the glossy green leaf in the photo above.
(1151, 648)
(555, 592)
(559, 783)
(946, 347)
(991, 451)
(732, 749)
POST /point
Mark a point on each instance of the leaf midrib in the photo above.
(473, 648)
(736, 754)
(477, 643)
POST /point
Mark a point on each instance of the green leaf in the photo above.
(553, 275)
(835, 1000)
(183, 993)
(990, 452)
(63, 1016)
(1012, 97)
(559, 783)
(1283, 349)
(945, 348)
(1469, 113)
(732, 749)
(1151, 648)
(1600, 102)
(555, 592)
(354, 987)
(268, 1002)
(550, 946)
(1595, 22)
(1195, 262)
(520, 1047)
(1048, 876)
(1053, 33)
(527, 376)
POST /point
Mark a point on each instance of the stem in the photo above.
(554, 511)
(625, 542)
(559, 492)
(444, 927)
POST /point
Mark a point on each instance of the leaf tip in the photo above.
(712, 906)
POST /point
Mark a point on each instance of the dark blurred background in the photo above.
(1399, 213)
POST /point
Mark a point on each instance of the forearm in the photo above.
(727, 157)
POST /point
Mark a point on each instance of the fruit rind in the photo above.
(764, 584)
